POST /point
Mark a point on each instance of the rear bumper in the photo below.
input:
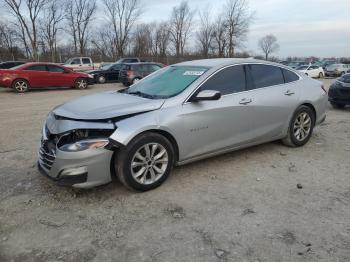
(337, 100)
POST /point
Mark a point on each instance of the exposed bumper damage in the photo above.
(85, 168)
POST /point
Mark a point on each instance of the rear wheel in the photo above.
(342, 73)
(81, 83)
(300, 127)
(146, 162)
(20, 85)
(101, 80)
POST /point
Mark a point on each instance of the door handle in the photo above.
(245, 101)
(289, 93)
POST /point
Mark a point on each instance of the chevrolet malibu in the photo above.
(179, 114)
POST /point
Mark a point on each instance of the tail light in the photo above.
(129, 73)
(324, 89)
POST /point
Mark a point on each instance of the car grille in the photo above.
(47, 154)
(47, 151)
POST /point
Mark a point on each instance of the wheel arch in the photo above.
(168, 136)
(20, 78)
(311, 107)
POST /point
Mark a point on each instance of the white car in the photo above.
(311, 71)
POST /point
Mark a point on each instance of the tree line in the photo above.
(108, 29)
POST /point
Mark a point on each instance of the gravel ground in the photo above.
(241, 206)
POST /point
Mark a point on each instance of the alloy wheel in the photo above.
(82, 84)
(21, 86)
(149, 163)
(302, 126)
(101, 79)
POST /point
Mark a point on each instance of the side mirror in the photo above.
(206, 95)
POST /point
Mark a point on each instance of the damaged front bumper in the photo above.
(86, 168)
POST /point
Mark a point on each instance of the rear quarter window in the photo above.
(289, 76)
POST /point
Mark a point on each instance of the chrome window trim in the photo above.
(242, 64)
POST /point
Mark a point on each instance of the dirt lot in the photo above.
(242, 206)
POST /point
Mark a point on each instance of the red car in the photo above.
(42, 75)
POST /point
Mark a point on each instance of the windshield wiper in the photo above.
(141, 94)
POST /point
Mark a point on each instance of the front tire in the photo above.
(81, 83)
(101, 80)
(20, 86)
(320, 75)
(300, 128)
(146, 162)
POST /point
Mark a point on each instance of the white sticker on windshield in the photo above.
(193, 73)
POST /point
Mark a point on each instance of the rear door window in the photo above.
(227, 81)
(36, 68)
(86, 61)
(265, 75)
(55, 69)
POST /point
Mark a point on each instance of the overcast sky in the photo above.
(303, 27)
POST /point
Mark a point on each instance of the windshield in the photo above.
(167, 82)
(334, 66)
(302, 67)
(106, 66)
(69, 61)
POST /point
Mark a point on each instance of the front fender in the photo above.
(128, 128)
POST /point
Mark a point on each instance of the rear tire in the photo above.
(81, 83)
(145, 163)
(20, 85)
(300, 127)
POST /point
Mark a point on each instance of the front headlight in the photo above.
(84, 145)
(91, 75)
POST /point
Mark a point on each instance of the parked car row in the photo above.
(126, 73)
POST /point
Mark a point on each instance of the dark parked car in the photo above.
(10, 64)
(132, 73)
(129, 60)
(109, 73)
(339, 92)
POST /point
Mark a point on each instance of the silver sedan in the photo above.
(179, 114)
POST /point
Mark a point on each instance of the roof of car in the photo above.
(220, 62)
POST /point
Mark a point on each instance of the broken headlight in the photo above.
(85, 144)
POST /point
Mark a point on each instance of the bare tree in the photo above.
(50, 26)
(220, 39)
(79, 14)
(122, 14)
(205, 35)
(8, 40)
(161, 39)
(268, 44)
(180, 26)
(237, 19)
(143, 40)
(27, 13)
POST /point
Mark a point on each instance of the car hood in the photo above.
(106, 105)
(94, 71)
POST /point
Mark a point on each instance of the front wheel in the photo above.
(101, 80)
(20, 86)
(146, 162)
(300, 127)
(320, 75)
(81, 83)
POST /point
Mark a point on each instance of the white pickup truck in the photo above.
(81, 64)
